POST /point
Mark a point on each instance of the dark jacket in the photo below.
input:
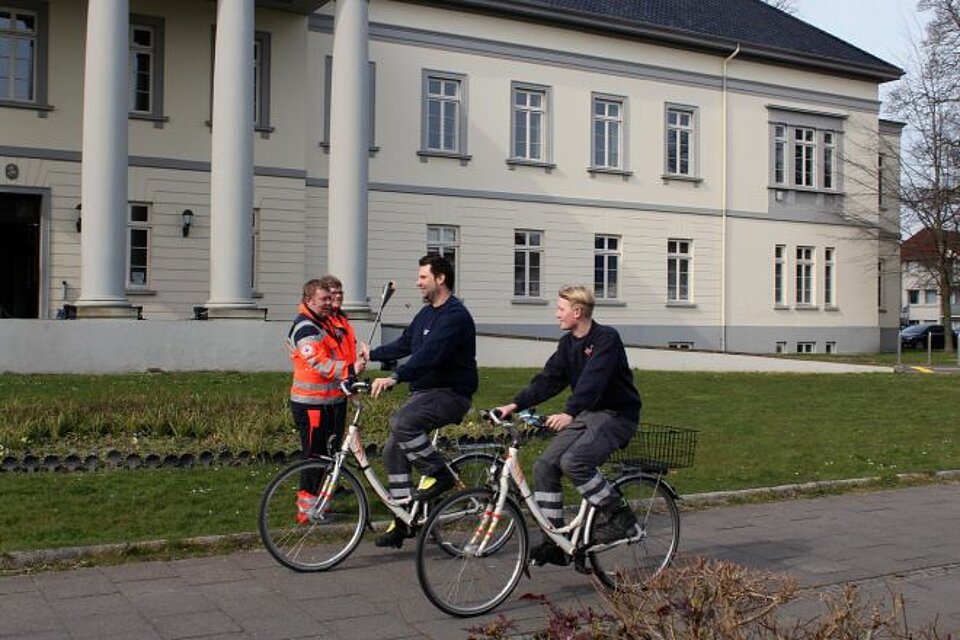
(595, 366)
(442, 345)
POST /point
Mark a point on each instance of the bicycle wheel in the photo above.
(457, 580)
(640, 559)
(326, 538)
(473, 469)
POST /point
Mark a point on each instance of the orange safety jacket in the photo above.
(340, 319)
(318, 351)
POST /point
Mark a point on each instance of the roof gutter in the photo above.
(723, 201)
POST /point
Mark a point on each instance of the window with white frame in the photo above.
(138, 245)
(327, 98)
(145, 86)
(829, 160)
(19, 43)
(881, 285)
(913, 296)
(779, 154)
(830, 347)
(530, 123)
(608, 130)
(829, 277)
(261, 80)
(444, 113)
(606, 266)
(806, 347)
(929, 296)
(679, 260)
(680, 142)
(806, 147)
(780, 347)
(527, 263)
(804, 281)
(804, 153)
(779, 275)
(254, 247)
(444, 240)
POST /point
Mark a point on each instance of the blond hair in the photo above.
(579, 296)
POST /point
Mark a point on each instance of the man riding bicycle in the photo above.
(600, 416)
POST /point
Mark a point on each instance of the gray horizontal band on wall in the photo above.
(805, 215)
(151, 162)
(583, 62)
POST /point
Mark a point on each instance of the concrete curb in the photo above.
(24, 560)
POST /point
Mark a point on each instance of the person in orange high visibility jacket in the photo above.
(321, 360)
(338, 318)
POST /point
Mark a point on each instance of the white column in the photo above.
(231, 159)
(349, 149)
(103, 180)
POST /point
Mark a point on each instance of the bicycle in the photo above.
(463, 574)
(334, 526)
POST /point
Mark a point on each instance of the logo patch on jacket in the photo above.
(307, 350)
(588, 351)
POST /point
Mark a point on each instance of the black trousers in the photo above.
(321, 426)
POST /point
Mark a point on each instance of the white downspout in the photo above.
(723, 204)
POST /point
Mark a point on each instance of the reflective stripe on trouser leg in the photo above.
(399, 485)
(598, 491)
(551, 504)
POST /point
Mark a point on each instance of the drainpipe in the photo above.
(723, 204)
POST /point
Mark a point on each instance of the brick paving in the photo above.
(902, 540)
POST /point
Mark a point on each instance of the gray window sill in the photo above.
(678, 177)
(131, 291)
(426, 154)
(263, 129)
(680, 304)
(781, 307)
(610, 171)
(610, 302)
(41, 109)
(531, 301)
(785, 187)
(806, 307)
(325, 145)
(513, 163)
(158, 121)
(831, 307)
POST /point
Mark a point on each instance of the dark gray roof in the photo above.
(762, 31)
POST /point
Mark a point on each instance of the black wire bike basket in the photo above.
(658, 447)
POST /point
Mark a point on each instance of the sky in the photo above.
(884, 28)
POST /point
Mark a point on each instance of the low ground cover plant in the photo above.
(703, 599)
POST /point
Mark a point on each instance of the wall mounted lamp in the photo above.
(79, 222)
(187, 221)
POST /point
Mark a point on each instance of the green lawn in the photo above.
(755, 430)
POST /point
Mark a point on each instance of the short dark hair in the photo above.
(439, 266)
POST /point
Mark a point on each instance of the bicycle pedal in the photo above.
(580, 563)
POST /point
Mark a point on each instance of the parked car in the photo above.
(915, 336)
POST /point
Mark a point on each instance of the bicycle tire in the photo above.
(634, 563)
(459, 582)
(325, 540)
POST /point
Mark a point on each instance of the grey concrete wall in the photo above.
(116, 346)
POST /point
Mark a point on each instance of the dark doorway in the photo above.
(19, 255)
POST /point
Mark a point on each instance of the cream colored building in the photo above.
(720, 191)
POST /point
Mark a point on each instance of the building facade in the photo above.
(718, 191)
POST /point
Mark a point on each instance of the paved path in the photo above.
(905, 539)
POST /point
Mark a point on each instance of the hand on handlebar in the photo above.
(504, 412)
(380, 385)
(558, 421)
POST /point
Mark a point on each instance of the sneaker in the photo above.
(432, 487)
(548, 552)
(306, 502)
(619, 524)
(394, 535)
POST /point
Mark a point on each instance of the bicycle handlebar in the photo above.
(353, 386)
(527, 416)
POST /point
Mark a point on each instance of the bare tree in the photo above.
(928, 100)
(788, 6)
